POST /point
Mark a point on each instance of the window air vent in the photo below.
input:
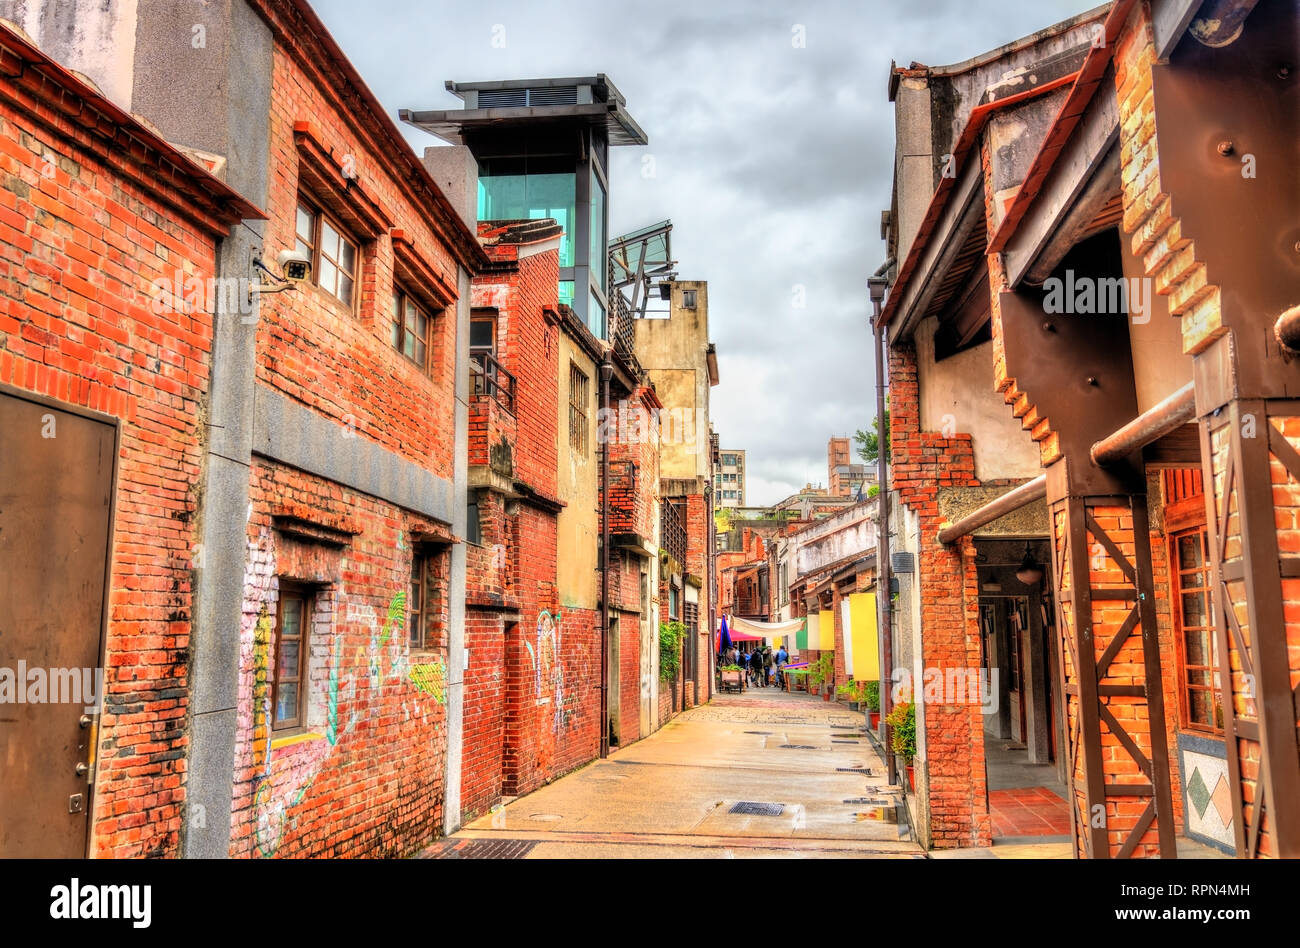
(502, 98)
(518, 98)
(555, 95)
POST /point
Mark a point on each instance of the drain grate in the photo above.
(845, 740)
(866, 801)
(798, 747)
(764, 733)
(844, 725)
(485, 849)
(865, 771)
(758, 809)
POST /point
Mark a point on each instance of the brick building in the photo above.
(1089, 306)
(325, 658)
(110, 246)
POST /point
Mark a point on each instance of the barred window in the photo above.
(579, 388)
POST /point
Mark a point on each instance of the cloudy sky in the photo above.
(772, 158)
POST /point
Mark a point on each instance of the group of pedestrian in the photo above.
(763, 668)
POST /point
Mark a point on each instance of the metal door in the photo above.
(56, 489)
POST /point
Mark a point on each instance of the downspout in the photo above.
(877, 286)
(606, 370)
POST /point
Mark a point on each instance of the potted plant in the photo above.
(902, 721)
(848, 692)
(822, 673)
(871, 702)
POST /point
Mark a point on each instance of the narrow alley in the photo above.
(764, 774)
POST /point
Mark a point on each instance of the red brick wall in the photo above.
(316, 350)
(484, 715)
(532, 697)
(367, 777)
(952, 740)
(84, 235)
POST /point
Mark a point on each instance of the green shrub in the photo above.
(671, 635)
(902, 721)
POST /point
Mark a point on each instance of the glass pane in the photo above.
(532, 196)
(420, 352)
(329, 240)
(345, 289)
(566, 292)
(303, 227)
(1196, 676)
(1200, 707)
(348, 259)
(409, 347)
(412, 316)
(1198, 649)
(595, 316)
(1194, 609)
(480, 333)
(1189, 551)
(599, 251)
(329, 276)
(421, 325)
(301, 246)
(287, 664)
(291, 612)
(286, 701)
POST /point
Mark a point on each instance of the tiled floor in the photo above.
(1028, 811)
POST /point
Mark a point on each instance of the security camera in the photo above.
(295, 265)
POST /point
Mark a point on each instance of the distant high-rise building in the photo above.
(729, 478)
(843, 477)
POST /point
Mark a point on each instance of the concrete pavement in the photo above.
(815, 783)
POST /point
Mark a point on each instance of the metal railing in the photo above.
(487, 377)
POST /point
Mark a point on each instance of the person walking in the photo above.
(782, 656)
(756, 662)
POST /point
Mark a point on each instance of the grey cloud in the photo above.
(773, 163)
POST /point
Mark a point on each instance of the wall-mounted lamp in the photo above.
(1029, 572)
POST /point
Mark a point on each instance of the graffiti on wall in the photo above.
(549, 670)
(356, 681)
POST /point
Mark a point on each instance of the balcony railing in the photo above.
(622, 328)
(672, 531)
(487, 377)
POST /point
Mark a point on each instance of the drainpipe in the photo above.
(877, 286)
(606, 370)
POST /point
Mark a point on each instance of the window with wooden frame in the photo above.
(482, 334)
(579, 394)
(411, 323)
(1198, 648)
(416, 600)
(427, 600)
(335, 256)
(288, 672)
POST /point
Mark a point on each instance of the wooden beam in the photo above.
(1169, 19)
(1083, 178)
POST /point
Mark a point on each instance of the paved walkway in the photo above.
(814, 783)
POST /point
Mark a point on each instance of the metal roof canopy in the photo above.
(598, 103)
(636, 258)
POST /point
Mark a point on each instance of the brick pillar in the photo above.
(950, 737)
(1194, 208)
